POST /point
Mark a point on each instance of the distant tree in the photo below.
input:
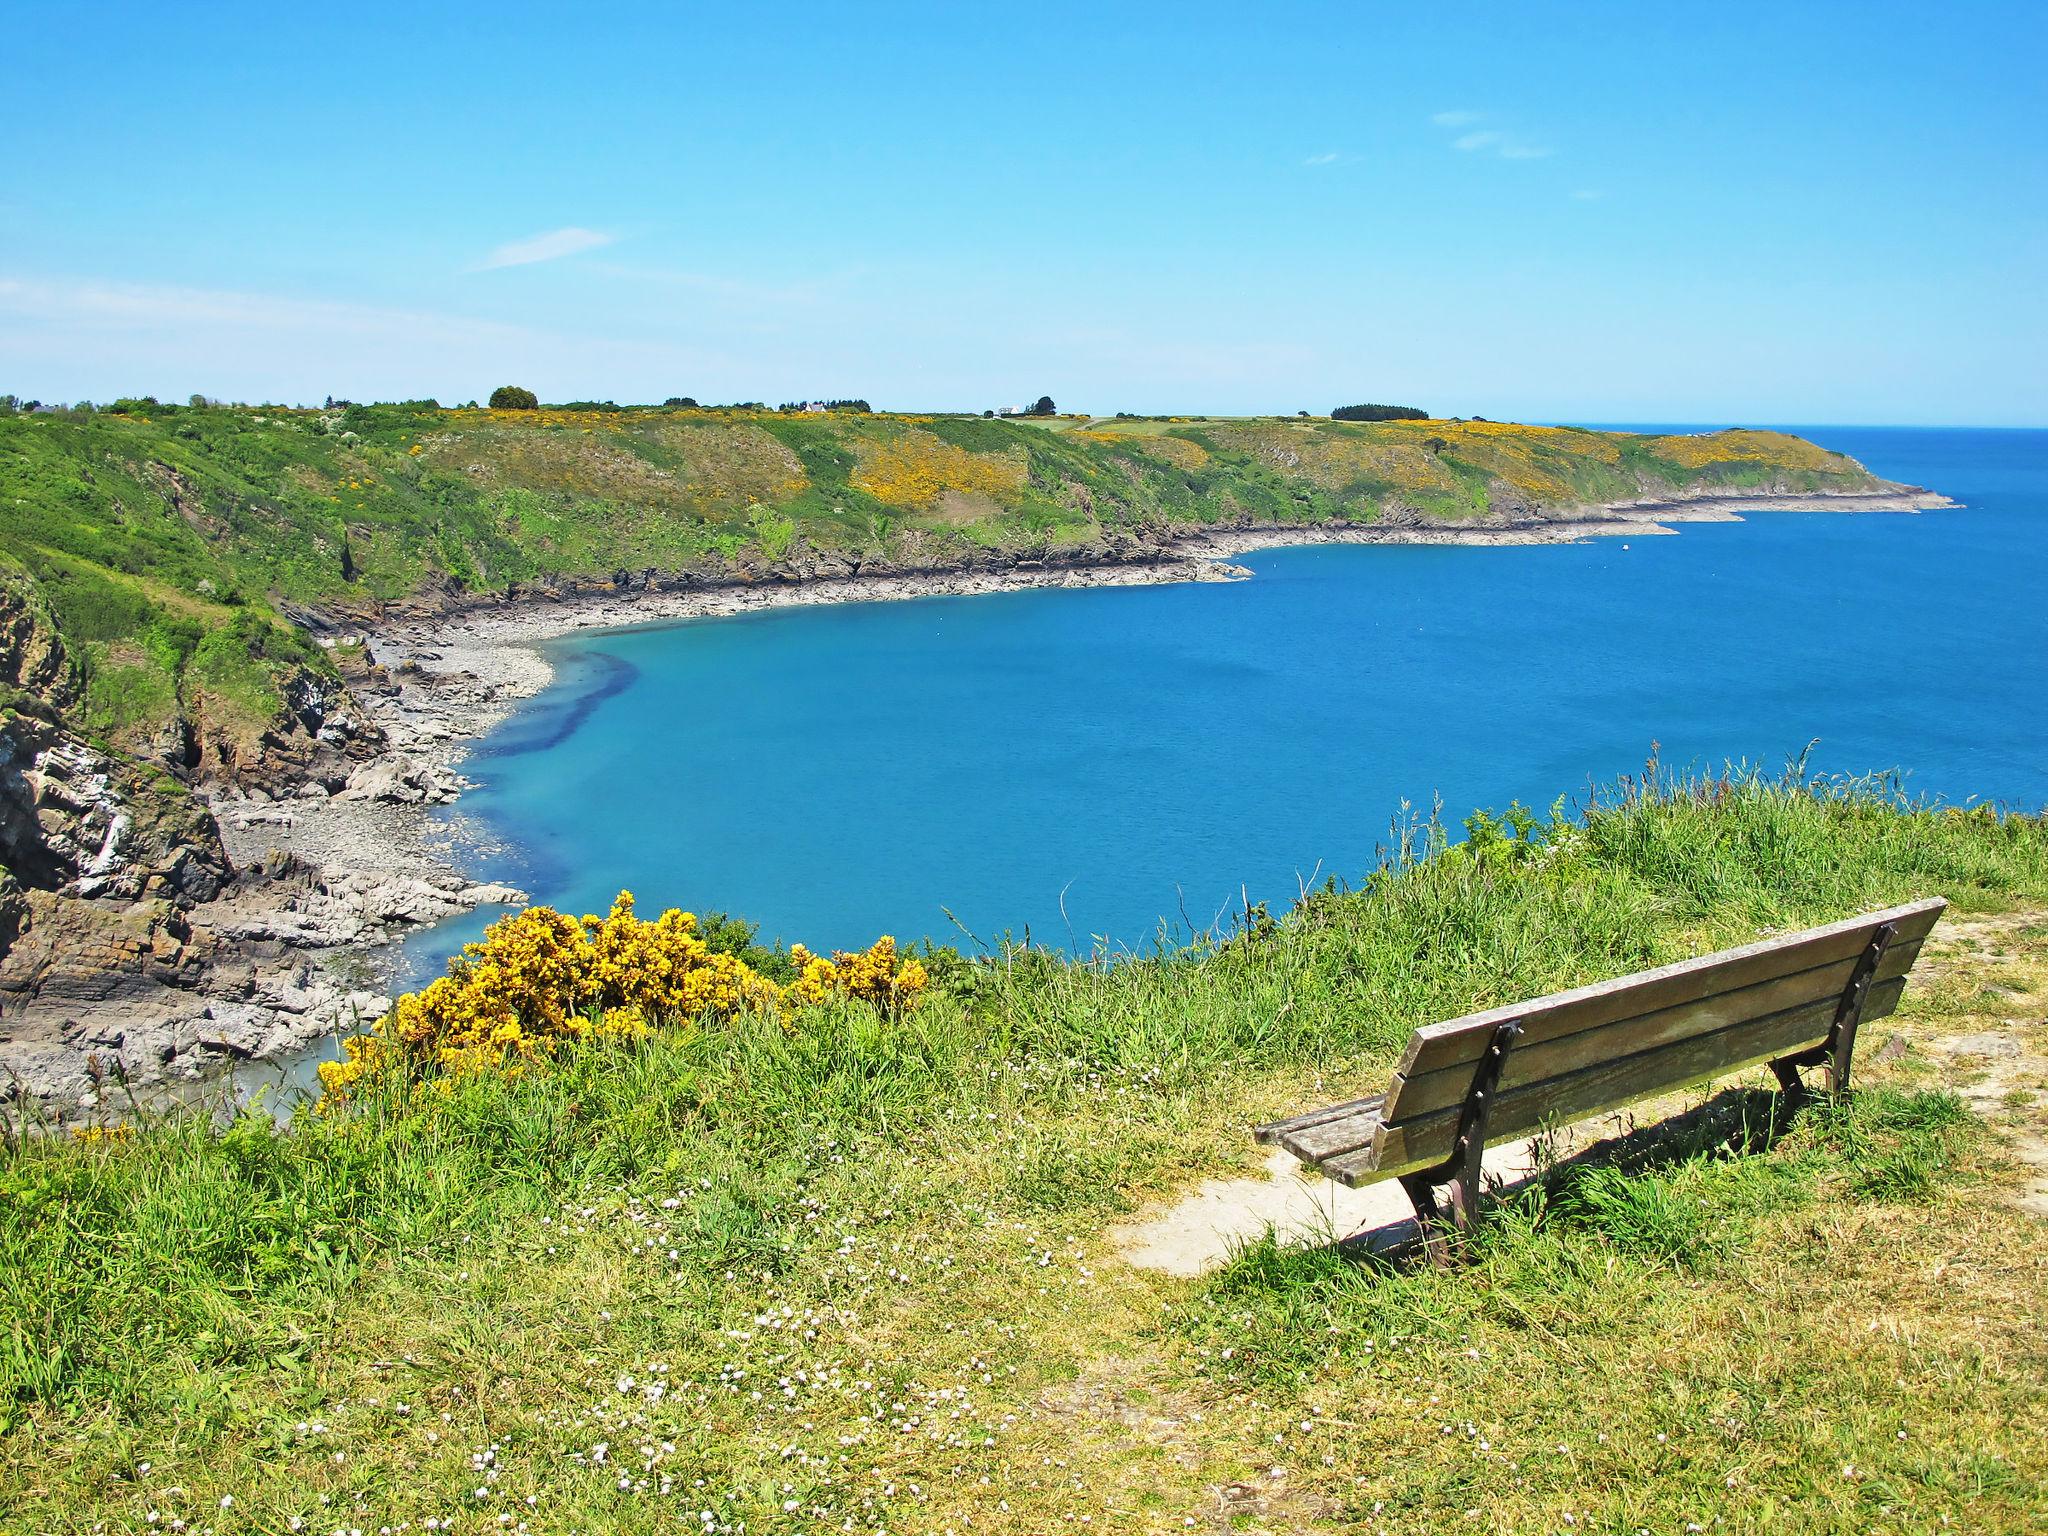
(850, 405)
(510, 397)
(1044, 407)
(9, 405)
(1378, 413)
(1301, 413)
(1435, 444)
(988, 413)
(680, 403)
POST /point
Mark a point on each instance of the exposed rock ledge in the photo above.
(159, 953)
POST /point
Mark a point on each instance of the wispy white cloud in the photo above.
(1587, 195)
(1328, 157)
(1493, 141)
(152, 306)
(1500, 142)
(551, 245)
(87, 336)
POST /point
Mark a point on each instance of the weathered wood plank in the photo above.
(1435, 1047)
(1274, 1130)
(1329, 1138)
(1608, 1085)
(1410, 1098)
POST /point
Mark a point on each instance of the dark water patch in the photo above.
(584, 680)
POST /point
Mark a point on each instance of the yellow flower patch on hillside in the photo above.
(1335, 459)
(539, 980)
(1513, 437)
(914, 469)
(1744, 446)
(1177, 451)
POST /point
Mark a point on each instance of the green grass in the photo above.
(153, 526)
(869, 1266)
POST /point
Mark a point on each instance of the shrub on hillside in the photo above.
(1378, 413)
(510, 397)
(540, 980)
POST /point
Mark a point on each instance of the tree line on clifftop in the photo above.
(515, 397)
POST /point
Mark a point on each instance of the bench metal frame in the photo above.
(1461, 1169)
(1840, 1044)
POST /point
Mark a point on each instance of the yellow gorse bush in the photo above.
(538, 980)
(1741, 445)
(100, 1135)
(875, 975)
(914, 468)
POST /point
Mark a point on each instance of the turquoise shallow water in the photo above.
(1092, 764)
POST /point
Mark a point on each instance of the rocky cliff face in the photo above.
(109, 867)
(74, 820)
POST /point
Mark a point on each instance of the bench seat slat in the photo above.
(1330, 1138)
(1436, 1047)
(1606, 1085)
(1275, 1130)
(1411, 1098)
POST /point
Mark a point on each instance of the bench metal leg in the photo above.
(1840, 1046)
(1461, 1169)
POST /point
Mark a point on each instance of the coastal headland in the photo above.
(245, 651)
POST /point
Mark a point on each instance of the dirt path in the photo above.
(1996, 971)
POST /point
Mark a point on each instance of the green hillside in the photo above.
(849, 1268)
(169, 542)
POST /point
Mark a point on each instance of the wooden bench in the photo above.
(1794, 1001)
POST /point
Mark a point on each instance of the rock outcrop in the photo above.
(131, 949)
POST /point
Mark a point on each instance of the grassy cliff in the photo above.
(170, 543)
(856, 1268)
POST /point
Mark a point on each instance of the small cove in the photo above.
(1114, 764)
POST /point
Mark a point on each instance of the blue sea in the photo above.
(1107, 765)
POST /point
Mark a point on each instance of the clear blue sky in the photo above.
(1729, 212)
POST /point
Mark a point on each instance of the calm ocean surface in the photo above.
(1090, 764)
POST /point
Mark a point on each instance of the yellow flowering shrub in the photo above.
(100, 1135)
(539, 979)
(1696, 450)
(915, 468)
(876, 975)
(1177, 451)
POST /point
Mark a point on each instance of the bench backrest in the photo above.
(1600, 1046)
